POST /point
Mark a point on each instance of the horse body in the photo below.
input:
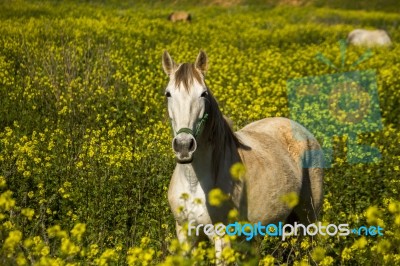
(180, 16)
(274, 168)
(257, 197)
(272, 151)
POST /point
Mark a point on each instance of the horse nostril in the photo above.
(191, 145)
(175, 145)
(184, 145)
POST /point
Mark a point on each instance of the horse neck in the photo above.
(199, 171)
(202, 170)
(220, 147)
(217, 150)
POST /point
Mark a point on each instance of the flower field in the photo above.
(85, 142)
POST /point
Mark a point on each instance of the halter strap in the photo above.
(199, 127)
(185, 130)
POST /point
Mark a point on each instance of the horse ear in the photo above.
(168, 64)
(201, 62)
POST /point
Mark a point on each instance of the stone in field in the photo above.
(369, 38)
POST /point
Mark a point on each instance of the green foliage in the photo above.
(85, 153)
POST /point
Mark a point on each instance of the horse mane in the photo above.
(220, 135)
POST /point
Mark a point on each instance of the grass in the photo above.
(85, 142)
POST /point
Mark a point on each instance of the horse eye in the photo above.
(204, 94)
(167, 94)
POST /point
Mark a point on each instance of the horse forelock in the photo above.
(186, 74)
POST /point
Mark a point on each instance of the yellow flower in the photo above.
(55, 231)
(184, 196)
(6, 201)
(327, 261)
(397, 219)
(28, 242)
(268, 261)
(238, 171)
(318, 254)
(93, 250)
(107, 255)
(372, 214)
(197, 201)
(233, 215)
(291, 199)
(174, 246)
(305, 244)
(27, 173)
(20, 260)
(31, 194)
(68, 247)
(346, 254)
(45, 251)
(49, 261)
(301, 263)
(200, 252)
(8, 225)
(360, 243)
(28, 213)
(78, 230)
(180, 209)
(14, 237)
(394, 207)
(229, 255)
(2, 181)
(216, 197)
(383, 246)
(144, 241)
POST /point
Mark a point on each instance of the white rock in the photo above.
(369, 38)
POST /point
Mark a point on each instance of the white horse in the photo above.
(369, 38)
(272, 150)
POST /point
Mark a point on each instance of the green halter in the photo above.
(199, 127)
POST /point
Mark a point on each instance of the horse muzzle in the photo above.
(184, 145)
